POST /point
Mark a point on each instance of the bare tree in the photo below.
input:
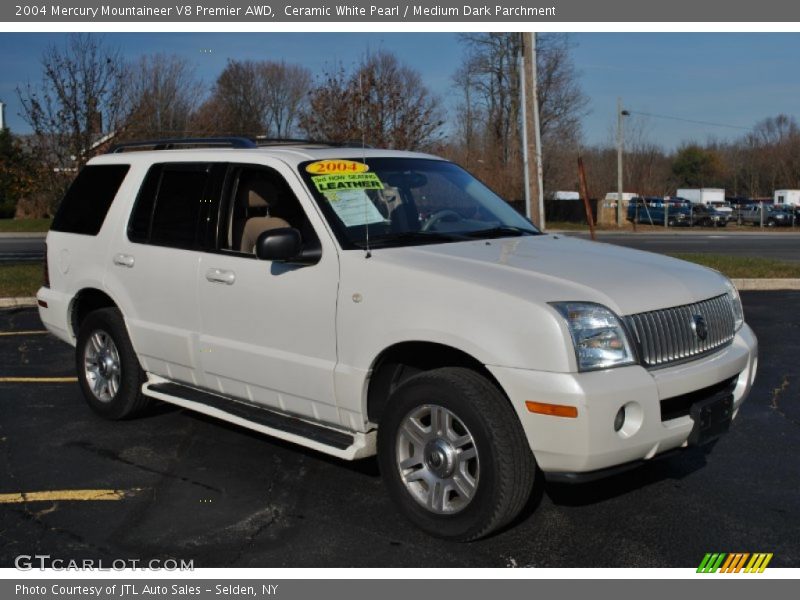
(333, 112)
(240, 99)
(79, 98)
(287, 88)
(490, 84)
(382, 102)
(491, 73)
(163, 93)
(255, 98)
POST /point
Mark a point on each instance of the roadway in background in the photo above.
(779, 245)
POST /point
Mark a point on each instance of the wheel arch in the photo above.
(402, 360)
(84, 302)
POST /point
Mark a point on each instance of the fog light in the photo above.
(619, 420)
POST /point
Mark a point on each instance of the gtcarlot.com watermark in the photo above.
(42, 562)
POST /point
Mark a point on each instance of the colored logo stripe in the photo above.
(758, 563)
(734, 563)
(711, 562)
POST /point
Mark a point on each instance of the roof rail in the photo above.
(266, 141)
(171, 144)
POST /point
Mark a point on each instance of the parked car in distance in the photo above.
(702, 215)
(766, 215)
(723, 208)
(677, 211)
(651, 210)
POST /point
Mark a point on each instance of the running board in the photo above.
(348, 445)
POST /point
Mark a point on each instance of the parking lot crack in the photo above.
(45, 528)
(249, 541)
(104, 453)
(777, 394)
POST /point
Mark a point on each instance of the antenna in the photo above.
(364, 157)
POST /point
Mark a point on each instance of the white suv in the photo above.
(362, 301)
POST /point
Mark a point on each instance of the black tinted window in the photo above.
(170, 205)
(88, 199)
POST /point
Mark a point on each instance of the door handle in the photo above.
(221, 276)
(124, 260)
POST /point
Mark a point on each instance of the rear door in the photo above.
(153, 271)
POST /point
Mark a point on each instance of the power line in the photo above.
(637, 112)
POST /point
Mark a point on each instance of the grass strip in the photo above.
(20, 280)
(744, 267)
(24, 225)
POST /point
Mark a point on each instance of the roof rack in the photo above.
(231, 142)
(171, 144)
(265, 141)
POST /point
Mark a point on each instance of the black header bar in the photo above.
(393, 11)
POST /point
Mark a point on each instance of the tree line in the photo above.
(751, 166)
(89, 97)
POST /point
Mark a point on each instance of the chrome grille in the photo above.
(670, 335)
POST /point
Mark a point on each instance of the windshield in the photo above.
(408, 201)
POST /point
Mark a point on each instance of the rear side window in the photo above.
(88, 199)
(171, 205)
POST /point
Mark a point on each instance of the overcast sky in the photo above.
(732, 79)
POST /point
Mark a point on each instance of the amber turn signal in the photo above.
(554, 410)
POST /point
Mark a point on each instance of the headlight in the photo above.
(736, 305)
(597, 334)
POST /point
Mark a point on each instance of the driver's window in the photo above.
(259, 199)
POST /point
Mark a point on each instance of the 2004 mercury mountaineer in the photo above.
(362, 301)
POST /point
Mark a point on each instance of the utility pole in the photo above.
(531, 136)
(620, 146)
(619, 162)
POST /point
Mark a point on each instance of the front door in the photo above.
(268, 329)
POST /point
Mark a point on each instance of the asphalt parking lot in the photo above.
(189, 487)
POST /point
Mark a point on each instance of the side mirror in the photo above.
(280, 245)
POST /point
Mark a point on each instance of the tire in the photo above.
(108, 371)
(467, 498)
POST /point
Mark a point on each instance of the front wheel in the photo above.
(108, 370)
(453, 454)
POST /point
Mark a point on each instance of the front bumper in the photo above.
(588, 442)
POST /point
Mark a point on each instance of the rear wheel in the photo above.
(453, 454)
(108, 370)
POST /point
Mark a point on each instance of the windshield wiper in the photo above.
(411, 237)
(501, 231)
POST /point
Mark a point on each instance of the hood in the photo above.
(550, 268)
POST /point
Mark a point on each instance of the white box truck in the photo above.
(563, 195)
(787, 197)
(702, 195)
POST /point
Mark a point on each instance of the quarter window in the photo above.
(86, 203)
